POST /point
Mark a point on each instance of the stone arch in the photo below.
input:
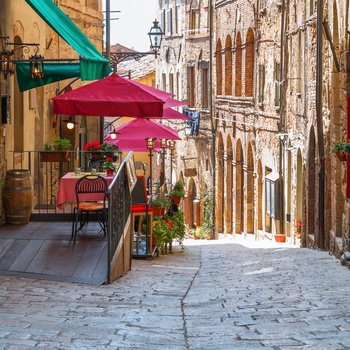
(189, 204)
(229, 186)
(218, 60)
(239, 213)
(220, 185)
(312, 204)
(228, 66)
(249, 200)
(249, 64)
(238, 65)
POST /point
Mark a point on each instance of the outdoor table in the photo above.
(66, 189)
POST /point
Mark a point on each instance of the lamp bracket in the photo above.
(117, 57)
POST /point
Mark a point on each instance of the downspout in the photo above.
(321, 175)
(282, 120)
(213, 132)
(108, 54)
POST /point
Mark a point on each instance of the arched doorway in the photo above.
(220, 186)
(250, 191)
(229, 185)
(239, 227)
(311, 177)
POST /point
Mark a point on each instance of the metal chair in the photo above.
(91, 194)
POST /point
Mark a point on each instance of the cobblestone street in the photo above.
(224, 294)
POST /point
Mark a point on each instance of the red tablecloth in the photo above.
(66, 190)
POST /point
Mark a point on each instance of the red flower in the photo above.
(109, 159)
(92, 146)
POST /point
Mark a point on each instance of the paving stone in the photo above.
(222, 295)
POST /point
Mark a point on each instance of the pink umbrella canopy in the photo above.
(135, 145)
(140, 129)
(169, 113)
(114, 96)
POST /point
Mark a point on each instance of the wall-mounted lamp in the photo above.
(188, 130)
(70, 123)
(113, 134)
(36, 66)
(8, 58)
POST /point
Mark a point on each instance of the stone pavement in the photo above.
(224, 294)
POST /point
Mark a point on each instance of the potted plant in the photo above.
(159, 205)
(178, 192)
(162, 232)
(341, 148)
(109, 166)
(109, 150)
(56, 150)
(178, 227)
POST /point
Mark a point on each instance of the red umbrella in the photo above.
(114, 96)
(140, 129)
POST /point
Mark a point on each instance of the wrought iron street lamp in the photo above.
(155, 36)
(172, 154)
(150, 145)
(163, 145)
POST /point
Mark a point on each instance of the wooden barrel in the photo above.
(18, 196)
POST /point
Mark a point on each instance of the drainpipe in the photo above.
(213, 132)
(108, 54)
(282, 119)
(321, 174)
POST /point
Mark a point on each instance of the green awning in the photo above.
(92, 65)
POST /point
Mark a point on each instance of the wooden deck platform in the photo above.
(44, 250)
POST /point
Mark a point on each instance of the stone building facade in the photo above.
(278, 86)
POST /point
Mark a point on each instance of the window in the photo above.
(178, 17)
(277, 85)
(218, 68)
(261, 86)
(190, 84)
(228, 66)
(193, 17)
(262, 4)
(238, 66)
(163, 82)
(171, 83)
(272, 195)
(169, 23)
(249, 64)
(205, 84)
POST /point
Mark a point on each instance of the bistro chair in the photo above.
(91, 198)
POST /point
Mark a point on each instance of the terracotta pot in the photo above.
(341, 155)
(280, 238)
(54, 156)
(157, 211)
(176, 200)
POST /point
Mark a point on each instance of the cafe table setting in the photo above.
(66, 190)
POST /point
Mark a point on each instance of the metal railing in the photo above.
(46, 175)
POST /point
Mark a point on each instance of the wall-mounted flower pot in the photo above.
(54, 156)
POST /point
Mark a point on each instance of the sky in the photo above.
(135, 20)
